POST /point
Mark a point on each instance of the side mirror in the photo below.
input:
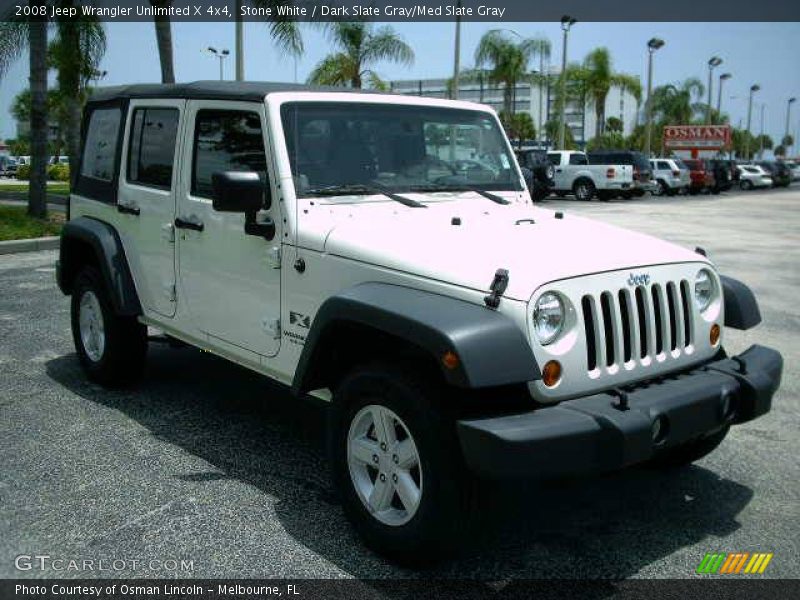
(240, 191)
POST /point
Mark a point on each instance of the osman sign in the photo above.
(700, 137)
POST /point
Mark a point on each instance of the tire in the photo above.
(664, 189)
(405, 532)
(583, 189)
(746, 185)
(110, 348)
(539, 194)
(688, 453)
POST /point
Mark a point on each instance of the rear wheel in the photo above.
(746, 184)
(397, 464)
(663, 189)
(686, 454)
(583, 189)
(110, 348)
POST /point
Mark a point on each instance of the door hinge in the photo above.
(272, 327)
(171, 291)
(168, 232)
(274, 257)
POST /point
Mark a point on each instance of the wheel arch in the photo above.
(378, 319)
(88, 241)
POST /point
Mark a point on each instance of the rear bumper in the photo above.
(594, 434)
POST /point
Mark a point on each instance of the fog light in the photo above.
(714, 335)
(551, 374)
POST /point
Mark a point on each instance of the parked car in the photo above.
(754, 176)
(8, 166)
(701, 175)
(778, 170)
(643, 180)
(573, 173)
(795, 168)
(723, 175)
(671, 175)
(450, 328)
(59, 160)
(541, 171)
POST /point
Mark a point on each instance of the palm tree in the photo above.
(15, 37)
(678, 104)
(359, 48)
(163, 27)
(507, 60)
(600, 78)
(75, 53)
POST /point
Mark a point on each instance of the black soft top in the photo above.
(209, 90)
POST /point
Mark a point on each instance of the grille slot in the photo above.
(626, 326)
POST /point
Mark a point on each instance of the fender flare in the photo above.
(109, 255)
(741, 306)
(491, 348)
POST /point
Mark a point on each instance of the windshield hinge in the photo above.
(498, 287)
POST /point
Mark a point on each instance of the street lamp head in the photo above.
(226, 52)
(755, 87)
(725, 76)
(567, 22)
(792, 100)
(714, 61)
(212, 49)
(655, 43)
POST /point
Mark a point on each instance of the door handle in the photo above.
(128, 210)
(184, 224)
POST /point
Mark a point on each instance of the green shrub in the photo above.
(24, 172)
(58, 172)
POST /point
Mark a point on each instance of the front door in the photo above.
(146, 200)
(230, 280)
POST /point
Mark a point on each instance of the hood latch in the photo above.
(498, 287)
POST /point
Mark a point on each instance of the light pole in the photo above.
(652, 45)
(761, 135)
(457, 55)
(723, 77)
(753, 89)
(239, 42)
(713, 62)
(789, 103)
(221, 55)
(566, 23)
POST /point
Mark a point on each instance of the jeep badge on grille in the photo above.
(638, 279)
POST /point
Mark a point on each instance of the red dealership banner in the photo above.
(700, 137)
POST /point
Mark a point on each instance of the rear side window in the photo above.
(226, 140)
(577, 159)
(100, 147)
(555, 159)
(663, 165)
(151, 150)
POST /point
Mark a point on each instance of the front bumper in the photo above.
(595, 433)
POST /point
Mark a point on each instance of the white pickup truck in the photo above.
(574, 174)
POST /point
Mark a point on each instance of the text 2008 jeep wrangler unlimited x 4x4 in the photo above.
(382, 253)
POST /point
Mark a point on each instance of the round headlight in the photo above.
(703, 289)
(548, 317)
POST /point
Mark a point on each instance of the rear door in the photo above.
(146, 199)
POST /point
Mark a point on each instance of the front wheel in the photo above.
(746, 185)
(110, 348)
(397, 465)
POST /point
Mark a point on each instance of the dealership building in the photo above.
(537, 99)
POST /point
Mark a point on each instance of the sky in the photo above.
(763, 53)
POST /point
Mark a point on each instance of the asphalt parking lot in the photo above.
(209, 463)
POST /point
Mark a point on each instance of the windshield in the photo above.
(360, 147)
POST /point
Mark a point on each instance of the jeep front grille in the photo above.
(640, 324)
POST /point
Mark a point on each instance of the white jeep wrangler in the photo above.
(382, 253)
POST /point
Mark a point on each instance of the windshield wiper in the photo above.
(441, 187)
(361, 189)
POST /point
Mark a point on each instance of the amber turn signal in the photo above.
(714, 335)
(551, 374)
(450, 360)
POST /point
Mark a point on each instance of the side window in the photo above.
(554, 158)
(663, 165)
(578, 159)
(226, 140)
(151, 150)
(100, 147)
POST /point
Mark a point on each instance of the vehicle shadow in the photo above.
(252, 430)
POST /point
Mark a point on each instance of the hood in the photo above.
(464, 239)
